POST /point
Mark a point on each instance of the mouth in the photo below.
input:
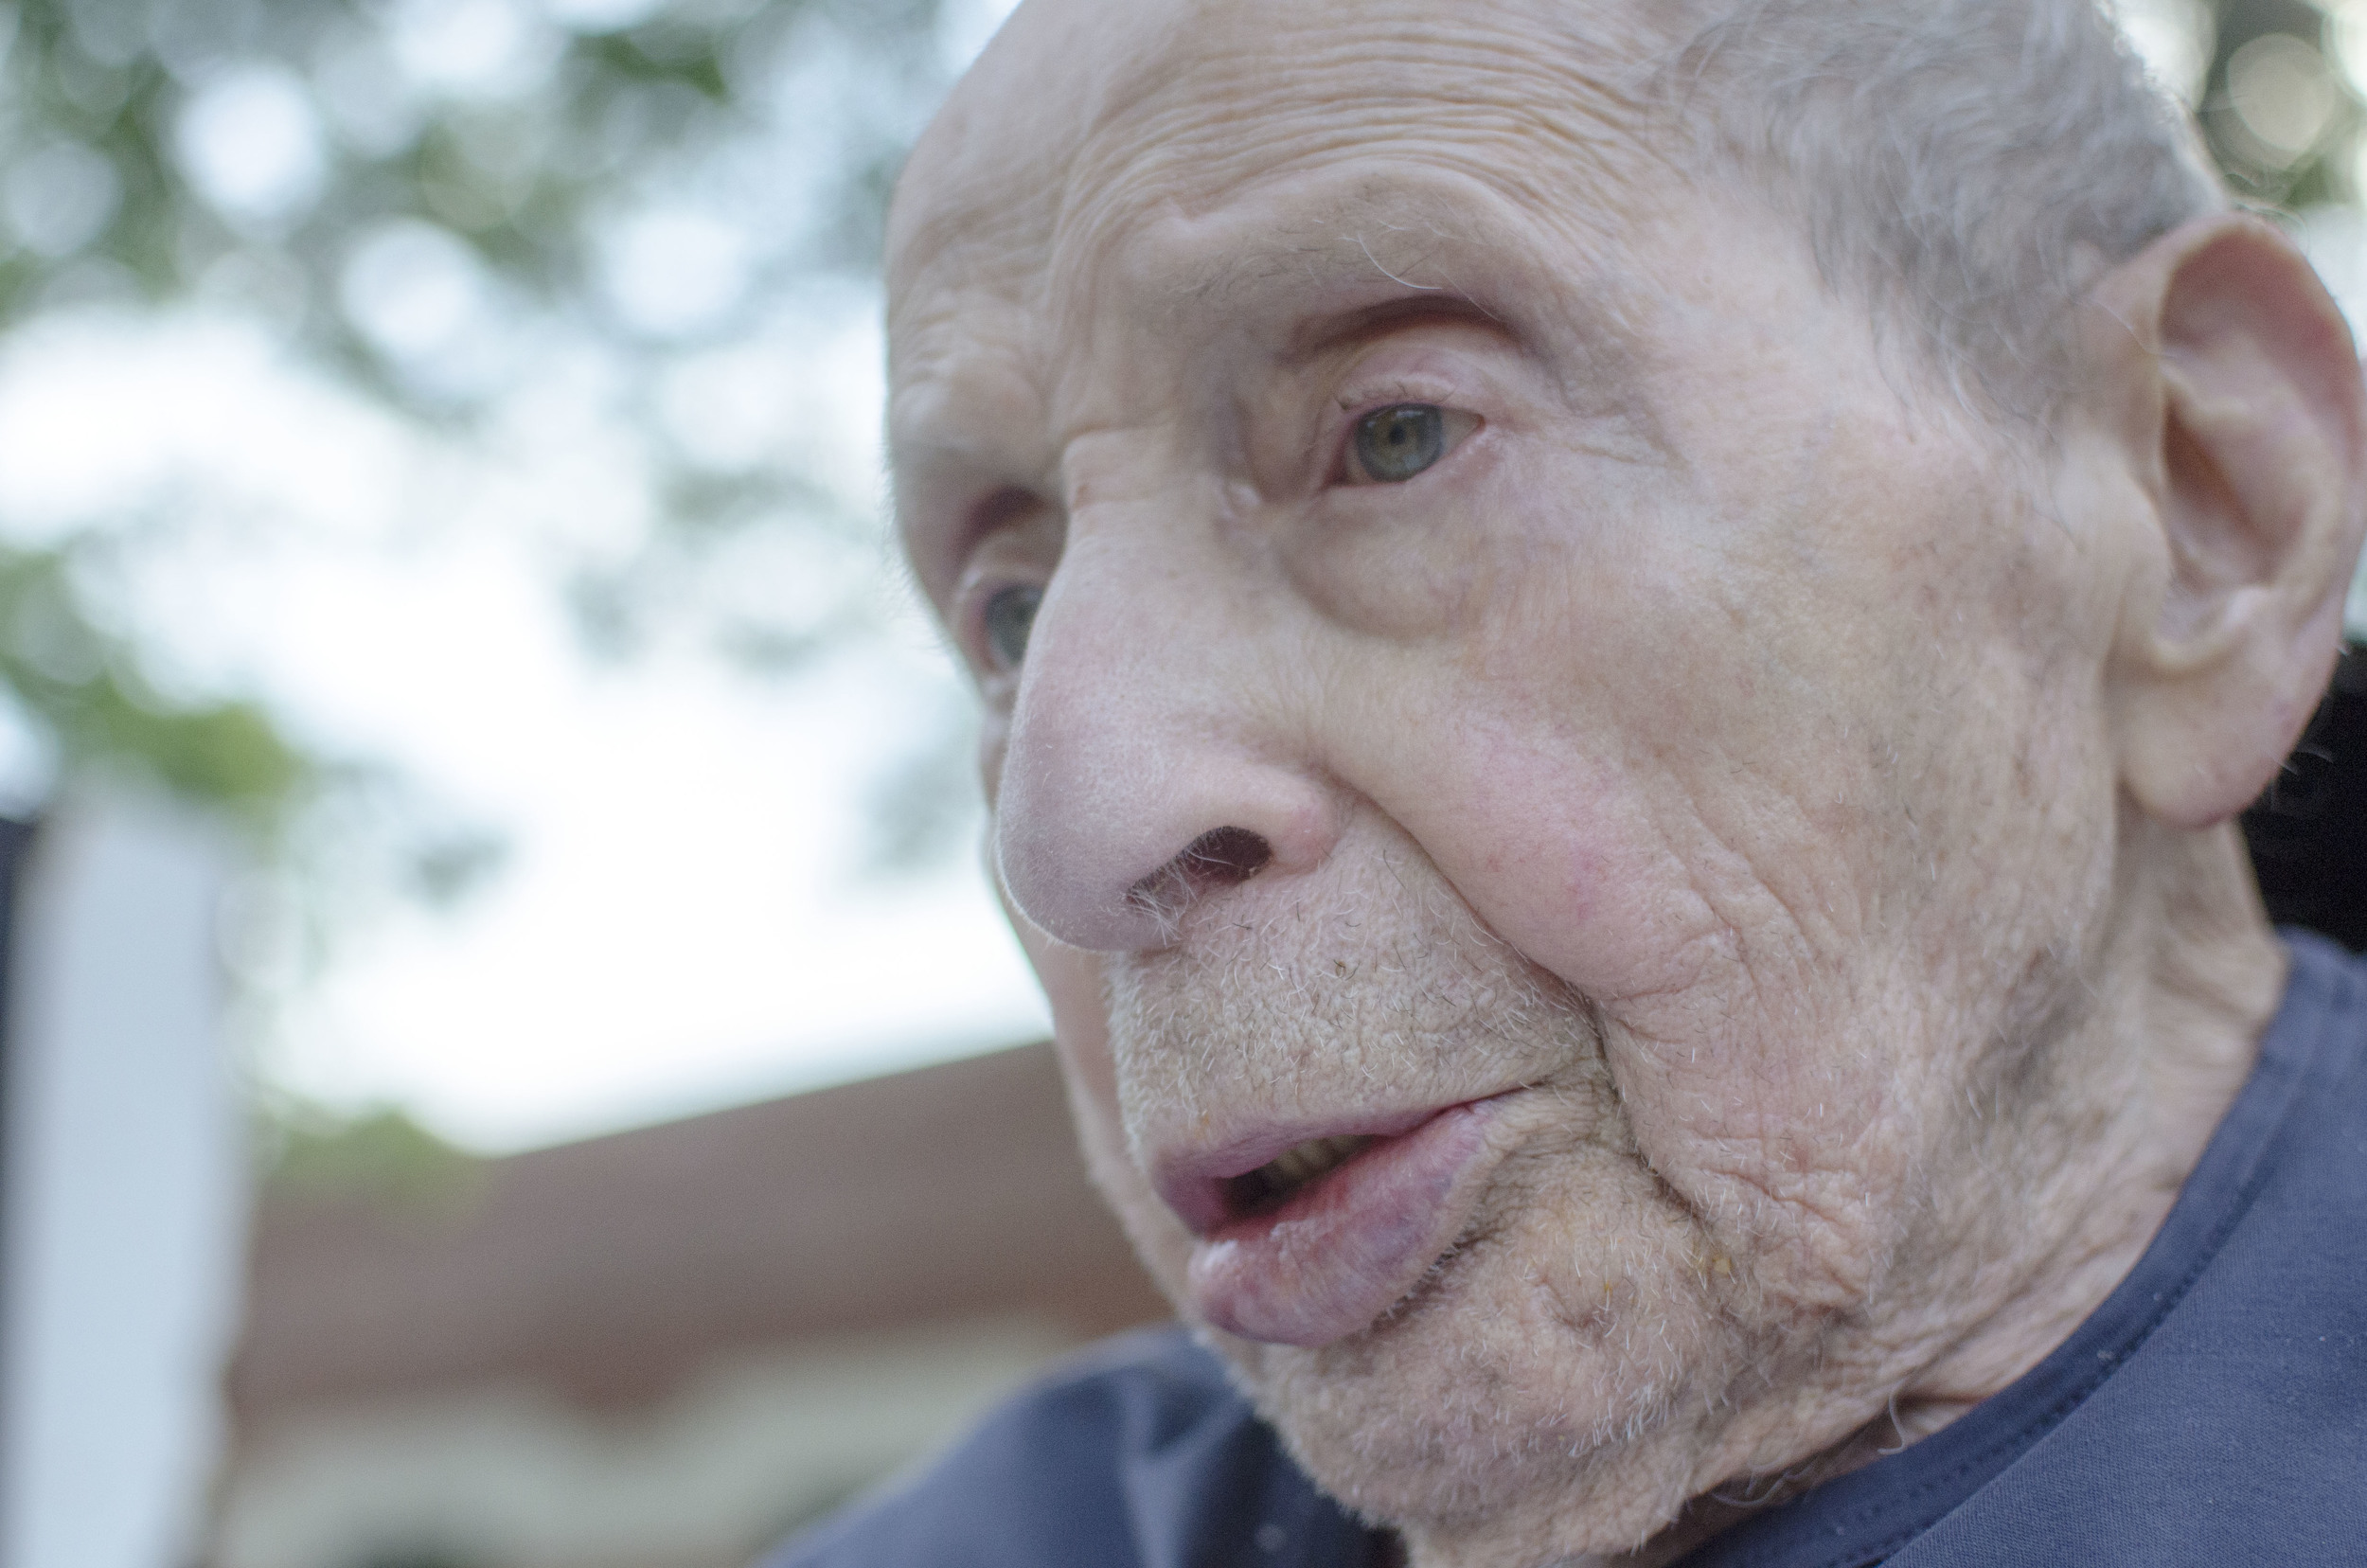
(1271, 1184)
(1306, 1236)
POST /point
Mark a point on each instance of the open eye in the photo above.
(1010, 616)
(1392, 445)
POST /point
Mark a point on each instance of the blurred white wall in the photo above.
(126, 1188)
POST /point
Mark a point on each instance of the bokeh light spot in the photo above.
(2284, 92)
(60, 198)
(251, 144)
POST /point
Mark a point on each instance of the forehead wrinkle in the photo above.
(1539, 104)
(1423, 221)
(1071, 91)
(1532, 76)
(1276, 289)
(1537, 129)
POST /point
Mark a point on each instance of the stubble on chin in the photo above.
(1561, 1380)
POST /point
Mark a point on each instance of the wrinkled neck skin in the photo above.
(2186, 977)
(2189, 978)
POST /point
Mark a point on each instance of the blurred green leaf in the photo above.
(472, 134)
(378, 1157)
(85, 687)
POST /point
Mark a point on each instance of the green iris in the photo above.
(1010, 616)
(1395, 444)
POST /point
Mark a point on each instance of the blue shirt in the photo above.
(2213, 1411)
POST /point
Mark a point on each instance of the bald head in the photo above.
(1075, 102)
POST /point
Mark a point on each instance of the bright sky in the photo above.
(681, 923)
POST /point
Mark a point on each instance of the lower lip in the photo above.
(1346, 1248)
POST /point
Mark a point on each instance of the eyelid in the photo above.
(996, 514)
(1414, 370)
(1013, 538)
(1371, 395)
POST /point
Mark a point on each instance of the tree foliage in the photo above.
(437, 200)
(159, 144)
(378, 1156)
(85, 691)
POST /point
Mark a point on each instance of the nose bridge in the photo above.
(1153, 761)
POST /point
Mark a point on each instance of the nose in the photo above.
(1151, 764)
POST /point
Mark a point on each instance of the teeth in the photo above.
(1293, 1169)
(1297, 1166)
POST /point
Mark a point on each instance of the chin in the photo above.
(1556, 1386)
(1589, 1350)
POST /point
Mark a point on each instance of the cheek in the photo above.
(1507, 739)
(1554, 849)
(1071, 982)
(1695, 835)
(1429, 558)
(1544, 767)
(994, 744)
(1756, 1095)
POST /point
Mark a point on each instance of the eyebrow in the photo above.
(1440, 235)
(1320, 333)
(1333, 283)
(1338, 256)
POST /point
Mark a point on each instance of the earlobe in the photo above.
(2240, 404)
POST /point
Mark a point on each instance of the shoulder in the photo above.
(1137, 1452)
(2329, 979)
(2318, 1048)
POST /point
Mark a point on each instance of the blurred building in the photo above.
(667, 1348)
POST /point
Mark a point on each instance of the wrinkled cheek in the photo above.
(1738, 1103)
(1800, 1166)
(1071, 978)
(1555, 852)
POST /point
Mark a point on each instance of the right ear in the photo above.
(2232, 384)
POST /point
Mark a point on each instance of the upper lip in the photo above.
(1192, 1180)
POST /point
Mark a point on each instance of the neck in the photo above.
(2186, 985)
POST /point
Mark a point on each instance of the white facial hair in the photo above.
(1575, 1368)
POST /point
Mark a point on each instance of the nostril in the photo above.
(1227, 855)
(1221, 857)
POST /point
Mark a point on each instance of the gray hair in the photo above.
(1967, 165)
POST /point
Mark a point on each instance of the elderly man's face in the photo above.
(1521, 677)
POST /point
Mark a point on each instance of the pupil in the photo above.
(1395, 444)
(1010, 616)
